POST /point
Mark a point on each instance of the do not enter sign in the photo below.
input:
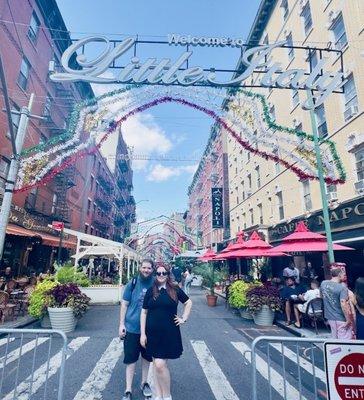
(345, 370)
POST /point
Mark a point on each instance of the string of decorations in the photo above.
(246, 118)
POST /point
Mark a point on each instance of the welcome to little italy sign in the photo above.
(166, 71)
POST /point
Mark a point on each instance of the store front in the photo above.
(347, 226)
(31, 246)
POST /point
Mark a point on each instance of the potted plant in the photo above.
(66, 303)
(38, 302)
(237, 297)
(69, 274)
(210, 277)
(262, 303)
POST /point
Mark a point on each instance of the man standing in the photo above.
(129, 328)
(335, 295)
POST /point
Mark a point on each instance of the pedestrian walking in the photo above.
(129, 328)
(359, 308)
(177, 275)
(160, 327)
(335, 295)
(188, 278)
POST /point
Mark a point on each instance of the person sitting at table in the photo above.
(289, 294)
(6, 277)
(301, 308)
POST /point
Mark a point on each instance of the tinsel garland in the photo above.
(83, 115)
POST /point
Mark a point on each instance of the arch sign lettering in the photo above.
(123, 56)
(344, 364)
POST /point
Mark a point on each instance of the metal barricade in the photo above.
(29, 358)
(293, 368)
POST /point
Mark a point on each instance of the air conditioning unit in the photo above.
(350, 112)
(331, 196)
(359, 186)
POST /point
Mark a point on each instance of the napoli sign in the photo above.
(175, 72)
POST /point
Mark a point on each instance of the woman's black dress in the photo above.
(163, 336)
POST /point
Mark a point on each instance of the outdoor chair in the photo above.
(24, 301)
(315, 312)
(7, 309)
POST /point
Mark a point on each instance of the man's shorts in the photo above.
(132, 348)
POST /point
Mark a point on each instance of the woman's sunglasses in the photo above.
(162, 273)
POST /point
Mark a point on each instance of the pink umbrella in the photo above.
(253, 248)
(208, 256)
(239, 244)
(303, 240)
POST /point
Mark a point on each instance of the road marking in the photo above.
(100, 376)
(276, 379)
(14, 355)
(23, 389)
(6, 340)
(306, 365)
(219, 385)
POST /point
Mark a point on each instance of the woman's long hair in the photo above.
(170, 286)
(359, 292)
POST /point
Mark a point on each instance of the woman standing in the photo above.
(159, 326)
(359, 308)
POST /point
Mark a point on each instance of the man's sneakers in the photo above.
(147, 391)
(127, 396)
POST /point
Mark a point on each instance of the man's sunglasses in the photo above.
(162, 273)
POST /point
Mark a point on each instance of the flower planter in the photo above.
(62, 319)
(264, 317)
(45, 322)
(211, 300)
(244, 313)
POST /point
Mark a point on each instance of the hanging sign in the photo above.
(344, 365)
(217, 208)
(256, 61)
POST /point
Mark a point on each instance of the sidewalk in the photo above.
(301, 332)
(20, 322)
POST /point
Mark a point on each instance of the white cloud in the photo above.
(160, 173)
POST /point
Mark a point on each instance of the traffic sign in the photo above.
(344, 362)
(58, 226)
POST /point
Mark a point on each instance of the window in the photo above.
(4, 170)
(321, 121)
(92, 182)
(312, 59)
(250, 182)
(331, 191)
(290, 49)
(285, 9)
(277, 166)
(54, 203)
(260, 212)
(273, 112)
(307, 18)
(16, 119)
(47, 106)
(338, 29)
(244, 219)
(306, 195)
(91, 230)
(88, 206)
(86, 228)
(24, 73)
(33, 28)
(248, 155)
(242, 188)
(351, 98)
(280, 205)
(359, 162)
(295, 98)
(251, 211)
(257, 170)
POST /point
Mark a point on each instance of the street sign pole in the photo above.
(320, 172)
(13, 172)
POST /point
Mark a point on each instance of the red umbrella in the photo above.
(239, 244)
(208, 256)
(254, 247)
(302, 240)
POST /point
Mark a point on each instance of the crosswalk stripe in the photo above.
(6, 340)
(39, 377)
(219, 385)
(100, 376)
(276, 379)
(307, 366)
(14, 355)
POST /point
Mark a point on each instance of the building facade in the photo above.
(265, 195)
(212, 172)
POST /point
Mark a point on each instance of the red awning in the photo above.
(47, 239)
(208, 256)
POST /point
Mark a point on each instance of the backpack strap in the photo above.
(133, 283)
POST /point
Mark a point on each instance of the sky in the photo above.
(172, 131)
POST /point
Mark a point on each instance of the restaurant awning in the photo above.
(47, 239)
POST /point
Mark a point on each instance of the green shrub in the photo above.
(38, 299)
(210, 275)
(237, 294)
(68, 274)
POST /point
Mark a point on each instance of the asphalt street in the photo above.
(215, 363)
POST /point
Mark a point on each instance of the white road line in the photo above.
(100, 376)
(306, 365)
(219, 385)
(276, 379)
(14, 355)
(39, 377)
(4, 341)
